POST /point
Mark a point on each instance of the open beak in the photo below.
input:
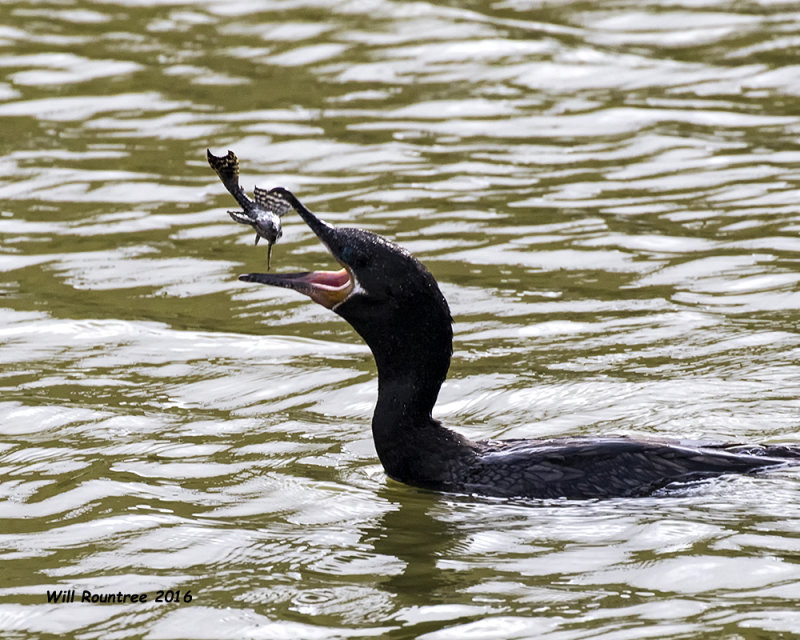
(328, 288)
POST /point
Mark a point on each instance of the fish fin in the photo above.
(270, 201)
(226, 167)
(240, 216)
(257, 237)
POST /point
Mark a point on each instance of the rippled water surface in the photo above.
(608, 194)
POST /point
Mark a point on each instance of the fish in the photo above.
(263, 213)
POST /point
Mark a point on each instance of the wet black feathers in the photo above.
(405, 320)
(599, 467)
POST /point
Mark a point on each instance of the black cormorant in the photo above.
(395, 305)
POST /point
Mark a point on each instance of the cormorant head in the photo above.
(384, 292)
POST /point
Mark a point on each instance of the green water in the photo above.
(607, 194)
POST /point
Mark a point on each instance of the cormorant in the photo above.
(395, 305)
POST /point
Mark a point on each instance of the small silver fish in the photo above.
(263, 214)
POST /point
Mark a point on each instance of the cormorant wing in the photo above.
(600, 468)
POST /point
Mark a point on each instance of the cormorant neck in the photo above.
(404, 402)
(412, 354)
(398, 309)
(412, 446)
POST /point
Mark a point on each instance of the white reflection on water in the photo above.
(608, 197)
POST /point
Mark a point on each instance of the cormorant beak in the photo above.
(328, 288)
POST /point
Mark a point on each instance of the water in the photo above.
(608, 197)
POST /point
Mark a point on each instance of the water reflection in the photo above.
(608, 197)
